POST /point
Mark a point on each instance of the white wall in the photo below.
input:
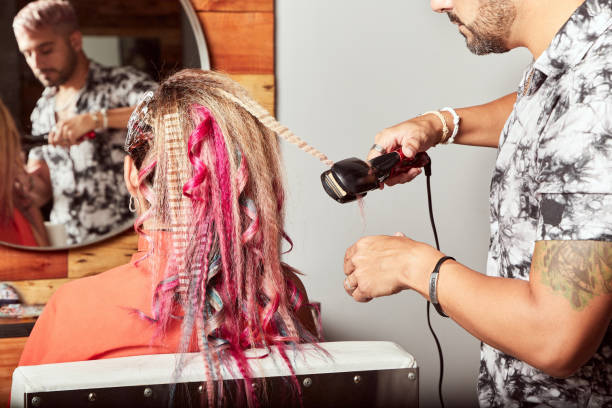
(347, 69)
(104, 49)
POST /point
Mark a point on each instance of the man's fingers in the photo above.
(410, 147)
(359, 296)
(373, 153)
(349, 285)
(52, 136)
(69, 136)
(404, 177)
(349, 267)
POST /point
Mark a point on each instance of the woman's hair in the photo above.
(209, 168)
(57, 14)
(10, 162)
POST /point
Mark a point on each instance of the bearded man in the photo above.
(81, 174)
(544, 308)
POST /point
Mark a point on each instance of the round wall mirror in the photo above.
(156, 37)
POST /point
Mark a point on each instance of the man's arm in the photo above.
(40, 189)
(479, 126)
(554, 322)
(69, 131)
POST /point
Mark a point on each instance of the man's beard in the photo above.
(490, 29)
(63, 74)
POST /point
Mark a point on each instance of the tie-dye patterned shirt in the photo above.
(89, 195)
(553, 181)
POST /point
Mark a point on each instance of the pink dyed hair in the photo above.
(40, 14)
(211, 173)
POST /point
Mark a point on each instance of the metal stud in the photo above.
(307, 382)
(148, 392)
(255, 386)
(357, 379)
(91, 397)
(36, 401)
(411, 376)
(200, 389)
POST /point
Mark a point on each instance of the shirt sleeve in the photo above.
(133, 85)
(575, 175)
(575, 216)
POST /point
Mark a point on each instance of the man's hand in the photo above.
(383, 265)
(480, 126)
(68, 132)
(39, 191)
(413, 136)
(23, 189)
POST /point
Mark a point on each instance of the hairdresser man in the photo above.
(543, 310)
(82, 175)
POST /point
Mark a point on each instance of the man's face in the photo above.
(486, 28)
(51, 56)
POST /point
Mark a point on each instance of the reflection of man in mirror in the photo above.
(83, 111)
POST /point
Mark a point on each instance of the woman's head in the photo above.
(10, 161)
(209, 171)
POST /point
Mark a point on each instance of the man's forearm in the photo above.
(481, 125)
(500, 312)
(118, 117)
(510, 316)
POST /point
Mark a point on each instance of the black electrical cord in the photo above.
(433, 333)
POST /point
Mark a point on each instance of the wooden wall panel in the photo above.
(10, 351)
(37, 292)
(17, 264)
(261, 88)
(119, 14)
(22, 265)
(233, 5)
(240, 43)
(101, 257)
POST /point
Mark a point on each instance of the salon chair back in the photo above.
(355, 374)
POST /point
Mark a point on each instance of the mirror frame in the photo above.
(54, 266)
(200, 41)
(198, 33)
(234, 36)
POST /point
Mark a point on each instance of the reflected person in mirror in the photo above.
(82, 175)
(543, 311)
(21, 222)
(205, 172)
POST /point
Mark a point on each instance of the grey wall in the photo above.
(347, 69)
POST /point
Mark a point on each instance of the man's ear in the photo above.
(130, 175)
(76, 41)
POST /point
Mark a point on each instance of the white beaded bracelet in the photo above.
(444, 126)
(456, 120)
(105, 119)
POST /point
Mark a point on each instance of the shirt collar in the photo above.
(148, 240)
(576, 37)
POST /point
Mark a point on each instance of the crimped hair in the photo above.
(210, 170)
(57, 14)
(10, 162)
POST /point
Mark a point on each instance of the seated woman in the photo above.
(20, 222)
(205, 176)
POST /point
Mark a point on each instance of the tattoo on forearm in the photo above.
(578, 270)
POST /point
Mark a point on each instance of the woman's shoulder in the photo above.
(99, 285)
